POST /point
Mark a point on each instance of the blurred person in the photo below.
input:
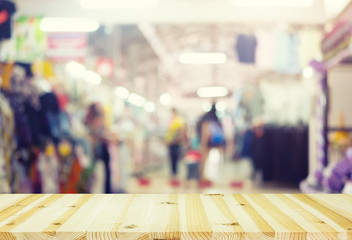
(100, 138)
(175, 137)
(192, 159)
(211, 135)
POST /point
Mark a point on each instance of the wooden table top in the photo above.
(175, 216)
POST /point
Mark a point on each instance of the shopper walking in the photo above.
(211, 135)
(175, 137)
(100, 138)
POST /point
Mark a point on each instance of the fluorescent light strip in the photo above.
(137, 100)
(202, 58)
(150, 107)
(211, 92)
(206, 107)
(220, 106)
(68, 25)
(105, 4)
(92, 77)
(273, 3)
(75, 69)
(165, 99)
(122, 92)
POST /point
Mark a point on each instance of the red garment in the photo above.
(72, 182)
(193, 156)
(62, 100)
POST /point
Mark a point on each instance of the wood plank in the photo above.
(224, 225)
(44, 223)
(315, 227)
(254, 225)
(17, 209)
(26, 215)
(137, 221)
(284, 226)
(76, 226)
(193, 218)
(338, 202)
(110, 218)
(166, 218)
(6, 200)
(336, 221)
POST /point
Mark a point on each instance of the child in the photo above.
(192, 160)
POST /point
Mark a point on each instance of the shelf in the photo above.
(337, 129)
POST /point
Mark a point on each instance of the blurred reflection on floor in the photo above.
(226, 177)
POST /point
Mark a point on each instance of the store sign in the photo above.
(67, 46)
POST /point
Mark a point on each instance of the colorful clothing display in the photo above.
(7, 144)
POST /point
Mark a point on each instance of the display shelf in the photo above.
(345, 56)
(172, 216)
(338, 129)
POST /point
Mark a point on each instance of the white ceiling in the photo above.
(179, 11)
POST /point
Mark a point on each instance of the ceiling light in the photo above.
(92, 77)
(122, 92)
(212, 92)
(220, 114)
(206, 107)
(165, 99)
(220, 106)
(202, 58)
(137, 100)
(308, 72)
(149, 107)
(273, 3)
(68, 25)
(119, 4)
(75, 69)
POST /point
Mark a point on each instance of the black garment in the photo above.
(101, 152)
(27, 67)
(174, 154)
(7, 9)
(49, 103)
(247, 147)
(282, 154)
(50, 116)
(246, 46)
(193, 171)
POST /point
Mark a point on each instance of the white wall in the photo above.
(340, 85)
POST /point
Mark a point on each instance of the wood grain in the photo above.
(176, 216)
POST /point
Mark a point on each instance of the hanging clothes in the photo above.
(287, 53)
(246, 47)
(7, 144)
(5, 74)
(49, 172)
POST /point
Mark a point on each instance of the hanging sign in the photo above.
(67, 46)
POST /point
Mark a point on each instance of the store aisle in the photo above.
(226, 177)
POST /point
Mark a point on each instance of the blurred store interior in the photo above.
(175, 96)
